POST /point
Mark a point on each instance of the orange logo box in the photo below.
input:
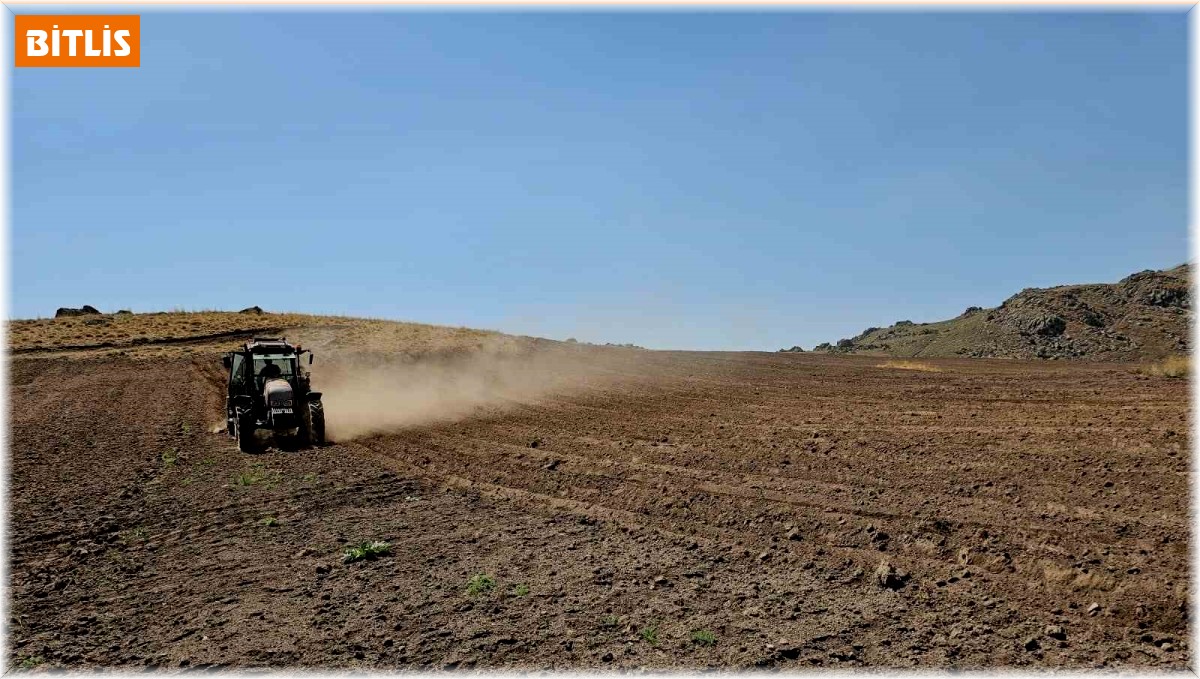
(78, 40)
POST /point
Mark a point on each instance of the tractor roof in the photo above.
(269, 345)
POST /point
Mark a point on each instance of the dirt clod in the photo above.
(887, 576)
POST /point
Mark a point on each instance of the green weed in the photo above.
(366, 550)
(31, 662)
(269, 521)
(649, 634)
(170, 457)
(521, 590)
(704, 637)
(480, 583)
(257, 475)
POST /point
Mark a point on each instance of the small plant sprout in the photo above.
(135, 534)
(521, 590)
(610, 621)
(366, 551)
(309, 478)
(649, 634)
(256, 475)
(704, 637)
(31, 662)
(170, 457)
(269, 521)
(480, 583)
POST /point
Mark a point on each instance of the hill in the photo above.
(203, 332)
(1144, 316)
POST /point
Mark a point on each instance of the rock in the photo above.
(794, 535)
(1031, 644)
(845, 343)
(788, 651)
(1093, 608)
(1040, 324)
(85, 310)
(1056, 632)
(123, 312)
(607, 657)
(256, 310)
(1091, 318)
(323, 569)
(888, 577)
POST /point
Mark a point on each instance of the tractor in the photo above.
(268, 390)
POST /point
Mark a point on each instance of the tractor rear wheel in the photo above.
(316, 424)
(245, 434)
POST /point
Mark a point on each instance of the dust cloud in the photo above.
(371, 394)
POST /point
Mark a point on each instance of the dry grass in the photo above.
(910, 365)
(192, 331)
(1171, 366)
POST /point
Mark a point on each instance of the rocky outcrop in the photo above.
(68, 312)
(1144, 315)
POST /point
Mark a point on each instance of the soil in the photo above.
(795, 510)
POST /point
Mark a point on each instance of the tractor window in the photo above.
(237, 376)
(273, 365)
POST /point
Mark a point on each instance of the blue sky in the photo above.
(676, 180)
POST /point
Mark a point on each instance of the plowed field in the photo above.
(698, 510)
